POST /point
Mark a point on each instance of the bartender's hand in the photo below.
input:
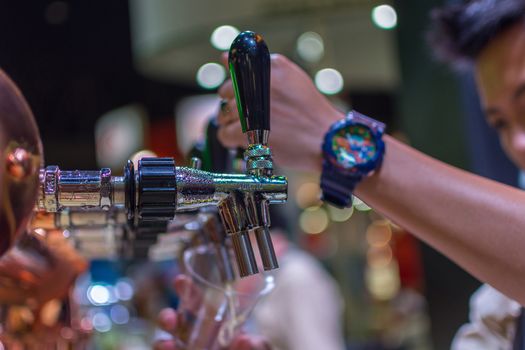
(300, 116)
(168, 321)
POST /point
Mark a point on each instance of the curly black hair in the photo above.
(461, 31)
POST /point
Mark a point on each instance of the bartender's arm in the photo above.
(478, 223)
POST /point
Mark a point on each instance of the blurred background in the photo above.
(106, 79)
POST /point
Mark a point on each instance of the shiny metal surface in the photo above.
(40, 267)
(233, 213)
(79, 188)
(83, 188)
(78, 219)
(61, 189)
(244, 255)
(83, 201)
(235, 220)
(196, 163)
(20, 161)
(118, 190)
(214, 232)
(258, 137)
(196, 188)
(35, 280)
(264, 243)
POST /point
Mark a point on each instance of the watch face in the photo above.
(353, 145)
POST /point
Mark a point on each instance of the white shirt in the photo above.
(492, 322)
(304, 310)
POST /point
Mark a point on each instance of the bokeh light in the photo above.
(379, 233)
(124, 289)
(379, 256)
(119, 314)
(383, 283)
(310, 47)
(384, 16)
(211, 75)
(222, 37)
(329, 81)
(67, 333)
(86, 325)
(360, 205)
(340, 215)
(313, 220)
(98, 294)
(308, 195)
(101, 322)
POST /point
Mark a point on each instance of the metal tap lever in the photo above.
(249, 63)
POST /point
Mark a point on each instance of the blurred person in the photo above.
(491, 36)
(37, 266)
(302, 312)
(416, 191)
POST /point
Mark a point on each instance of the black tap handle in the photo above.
(249, 63)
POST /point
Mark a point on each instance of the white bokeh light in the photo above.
(310, 47)
(98, 294)
(222, 37)
(211, 75)
(329, 81)
(340, 215)
(384, 16)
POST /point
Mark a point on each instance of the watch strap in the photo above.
(337, 188)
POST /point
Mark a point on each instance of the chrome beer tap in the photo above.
(146, 198)
(249, 63)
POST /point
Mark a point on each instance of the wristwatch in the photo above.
(352, 149)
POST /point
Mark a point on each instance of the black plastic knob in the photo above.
(249, 63)
(129, 181)
(157, 187)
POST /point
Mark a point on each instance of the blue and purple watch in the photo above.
(352, 149)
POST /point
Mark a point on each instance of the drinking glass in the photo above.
(211, 312)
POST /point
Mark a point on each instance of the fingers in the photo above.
(231, 135)
(190, 295)
(228, 112)
(226, 90)
(168, 320)
(165, 345)
(250, 342)
(181, 284)
(224, 60)
(230, 131)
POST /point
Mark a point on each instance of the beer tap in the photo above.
(249, 63)
(146, 198)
